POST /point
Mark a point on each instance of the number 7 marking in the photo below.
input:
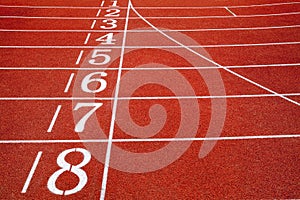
(79, 127)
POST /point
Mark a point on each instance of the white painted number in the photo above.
(106, 39)
(114, 4)
(111, 22)
(88, 79)
(76, 169)
(98, 53)
(79, 127)
(112, 13)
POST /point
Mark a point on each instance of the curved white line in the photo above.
(213, 62)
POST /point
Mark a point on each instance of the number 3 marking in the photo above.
(111, 22)
(76, 169)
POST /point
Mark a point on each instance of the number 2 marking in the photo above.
(112, 12)
(76, 169)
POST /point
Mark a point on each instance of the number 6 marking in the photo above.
(81, 123)
(88, 79)
(76, 169)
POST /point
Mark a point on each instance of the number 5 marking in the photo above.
(81, 123)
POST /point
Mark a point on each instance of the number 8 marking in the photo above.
(76, 169)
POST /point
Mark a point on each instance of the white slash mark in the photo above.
(69, 83)
(54, 119)
(98, 13)
(93, 24)
(79, 57)
(230, 11)
(87, 38)
(35, 163)
(102, 4)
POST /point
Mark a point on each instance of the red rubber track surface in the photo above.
(43, 43)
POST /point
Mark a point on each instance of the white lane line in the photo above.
(54, 119)
(93, 24)
(156, 69)
(69, 83)
(267, 5)
(254, 137)
(30, 175)
(153, 17)
(215, 7)
(215, 63)
(114, 109)
(151, 8)
(231, 12)
(87, 38)
(79, 57)
(144, 97)
(150, 47)
(150, 31)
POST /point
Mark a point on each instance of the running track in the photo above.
(149, 99)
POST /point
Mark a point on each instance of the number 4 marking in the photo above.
(106, 39)
(79, 127)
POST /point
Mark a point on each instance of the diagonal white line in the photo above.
(230, 11)
(215, 63)
(79, 57)
(87, 38)
(30, 175)
(54, 119)
(69, 83)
